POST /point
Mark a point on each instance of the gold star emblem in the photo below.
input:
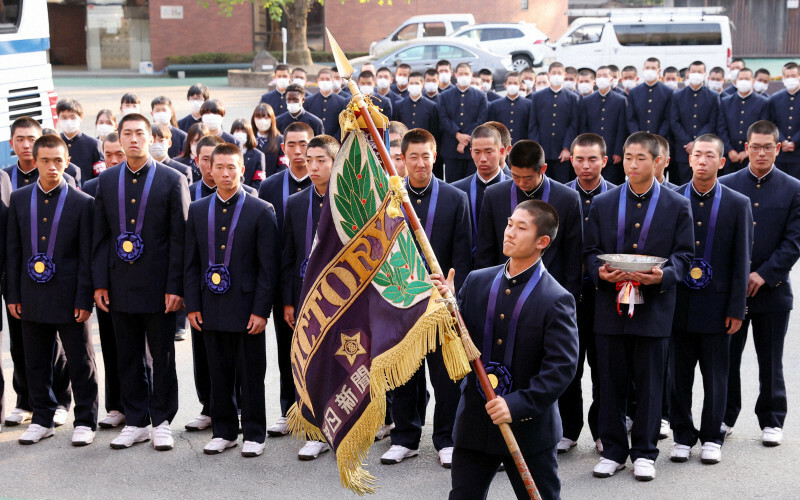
(351, 347)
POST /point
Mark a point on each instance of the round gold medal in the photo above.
(493, 380)
(696, 273)
(39, 267)
(127, 246)
(216, 278)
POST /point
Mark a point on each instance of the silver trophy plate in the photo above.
(631, 263)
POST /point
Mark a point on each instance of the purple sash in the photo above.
(218, 277)
(130, 245)
(648, 218)
(700, 271)
(41, 267)
(545, 193)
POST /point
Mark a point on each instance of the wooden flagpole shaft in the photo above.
(430, 257)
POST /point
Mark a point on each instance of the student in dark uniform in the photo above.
(164, 114)
(72, 174)
(736, 67)
(629, 80)
(737, 112)
(784, 111)
(505, 138)
(554, 123)
(383, 82)
(276, 190)
(444, 72)
(338, 85)
(212, 113)
(254, 159)
(649, 104)
(84, 151)
(137, 272)
(693, 112)
(460, 111)
(487, 85)
(206, 186)
(24, 133)
(513, 110)
(159, 150)
(589, 158)
(529, 182)
(277, 98)
(775, 198)
(710, 303)
(415, 112)
(761, 81)
(604, 113)
(401, 80)
(295, 97)
(104, 123)
(268, 139)
(5, 195)
(326, 105)
(716, 77)
(662, 162)
(299, 229)
(50, 290)
(443, 212)
(229, 293)
(431, 84)
(189, 156)
(366, 84)
(539, 356)
(639, 217)
(196, 95)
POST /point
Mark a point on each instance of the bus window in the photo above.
(9, 15)
(669, 34)
(585, 34)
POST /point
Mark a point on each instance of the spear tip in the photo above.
(342, 64)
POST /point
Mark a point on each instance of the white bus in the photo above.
(26, 78)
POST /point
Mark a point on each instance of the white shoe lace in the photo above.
(128, 431)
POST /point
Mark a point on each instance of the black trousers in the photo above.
(560, 171)
(711, 351)
(180, 320)
(409, 403)
(570, 404)
(202, 379)
(41, 348)
(149, 385)
(621, 358)
(19, 380)
(473, 471)
(614, 173)
(108, 344)
(456, 169)
(769, 333)
(242, 358)
(283, 336)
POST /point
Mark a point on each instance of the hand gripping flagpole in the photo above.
(346, 72)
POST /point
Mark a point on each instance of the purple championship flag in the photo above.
(370, 313)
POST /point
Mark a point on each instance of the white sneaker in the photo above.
(606, 468)
(217, 446)
(60, 417)
(279, 428)
(644, 470)
(312, 449)
(113, 419)
(727, 430)
(162, 437)
(384, 431)
(446, 457)
(129, 436)
(598, 445)
(396, 454)
(771, 436)
(664, 431)
(200, 422)
(82, 436)
(711, 453)
(252, 449)
(35, 433)
(565, 445)
(18, 416)
(680, 452)
(628, 423)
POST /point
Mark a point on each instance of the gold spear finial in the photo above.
(342, 64)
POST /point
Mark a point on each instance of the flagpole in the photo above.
(346, 72)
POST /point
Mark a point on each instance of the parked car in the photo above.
(420, 27)
(516, 39)
(423, 54)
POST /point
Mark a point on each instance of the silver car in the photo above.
(519, 40)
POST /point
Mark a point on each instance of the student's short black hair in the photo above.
(366, 74)
(431, 72)
(415, 74)
(653, 60)
(417, 136)
(737, 59)
(25, 122)
(763, 71)
(464, 65)
(133, 117)
(717, 70)
(397, 127)
(486, 131)
(293, 87)
(763, 127)
(282, 67)
(326, 142)
(197, 89)
(671, 70)
(663, 146)
(160, 131)
(527, 154)
(129, 98)
(382, 69)
(443, 62)
(69, 105)
(628, 69)
(212, 106)
(614, 68)
(227, 148)
(50, 141)
(588, 140)
(486, 72)
(209, 141)
(544, 216)
(714, 140)
(403, 66)
(698, 63)
(505, 135)
(161, 100)
(299, 127)
(645, 139)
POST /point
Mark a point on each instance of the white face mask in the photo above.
(714, 85)
(444, 77)
(263, 124)
(512, 90)
(431, 87)
(539, 87)
(673, 84)
(325, 86)
(212, 120)
(585, 88)
(281, 83)
(162, 117)
(366, 89)
(529, 84)
(158, 150)
(299, 81)
(602, 83)
(383, 83)
(569, 84)
(614, 83)
(791, 83)
(402, 81)
(486, 86)
(129, 110)
(69, 126)
(337, 84)
(195, 105)
(415, 89)
(464, 81)
(628, 84)
(193, 150)
(241, 138)
(556, 80)
(744, 86)
(476, 87)
(293, 107)
(103, 129)
(650, 75)
(760, 87)
(696, 79)
(733, 74)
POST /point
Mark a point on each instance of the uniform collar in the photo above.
(232, 199)
(318, 196)
(420, 193)
(764, 177)
(495, 176)
(212, 188)
(643, 196)
(703, 196)
(592, 191)
(536, 190)
(51, 192)
(297, 179)
(521, 278)
(142, 170)
(28, 173)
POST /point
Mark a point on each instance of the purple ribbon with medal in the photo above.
(309, 233)
(41, 267)
(130, 245)
(545, 193)
(218, 277)
(499, 373)
(700, 271)
(431, 214)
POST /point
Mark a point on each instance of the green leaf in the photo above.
(408, 300)
(417, 287)
(393, 294)
(397, 260)
(404, 274)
